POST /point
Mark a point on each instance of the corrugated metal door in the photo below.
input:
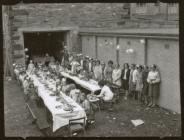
(88, 46)
(106, 48)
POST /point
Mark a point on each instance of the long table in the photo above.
(60, 117)
(86, 84)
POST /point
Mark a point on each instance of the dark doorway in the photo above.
(40, 43)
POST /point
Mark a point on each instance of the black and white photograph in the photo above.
(91, 70)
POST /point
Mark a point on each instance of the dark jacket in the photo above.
(127, 74)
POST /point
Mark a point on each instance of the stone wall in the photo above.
(80, 15)
(62, 15)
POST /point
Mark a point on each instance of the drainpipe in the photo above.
(145, 51)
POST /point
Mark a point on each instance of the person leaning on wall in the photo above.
(154, 83)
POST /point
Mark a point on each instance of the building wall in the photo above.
(82, 15)
(106, 48)
(50, 16)
(167, 58)
(162, 52)
(137, 56)
(154, 8)
(88, 46)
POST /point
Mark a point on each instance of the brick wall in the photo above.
(61, 15)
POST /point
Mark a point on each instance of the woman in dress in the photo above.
(31, 67)
(145, 84)
(108, 71)
(125, 79)
(139, 83)
(116, 75)
(98, 71)
(103, 68)
(131, 83)
(154, 82)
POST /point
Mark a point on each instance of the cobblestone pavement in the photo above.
(157, 121)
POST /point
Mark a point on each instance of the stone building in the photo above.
(149, 29)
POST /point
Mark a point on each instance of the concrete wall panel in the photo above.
(165, 54)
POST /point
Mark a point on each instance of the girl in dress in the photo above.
(139, 83)
(31, 67)
(98, 71)
(116, 75)
(108, 72)
(145, 84)
(131, 83)
(103, 68)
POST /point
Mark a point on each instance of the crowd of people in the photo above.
(136, 81)
(139, 81)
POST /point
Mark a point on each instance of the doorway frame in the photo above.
(68, 31)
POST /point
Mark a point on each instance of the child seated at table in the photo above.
(106, 94)
(26, 85)
(88, 109)
(74, 94)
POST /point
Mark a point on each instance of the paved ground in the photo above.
(157, 121)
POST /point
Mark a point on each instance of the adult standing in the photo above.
(131, 82)
(116, 75)
(86, 63)
(98, 71)
(103, 68)
(47, 59)
(145, 84)
(108, 71)
(125, 79)
(134, 80)
(31, 67)
(74, 64)
(154, 82)
(139, 82)
(65, 59)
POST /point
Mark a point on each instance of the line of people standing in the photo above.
(137, 81)
(140, 82)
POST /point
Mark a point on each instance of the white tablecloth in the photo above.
(85, 84)
(60, 117)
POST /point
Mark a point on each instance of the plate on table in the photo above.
(92, 98)
(58, 98)
(59, 107)
(67, 108)
(52, 94)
